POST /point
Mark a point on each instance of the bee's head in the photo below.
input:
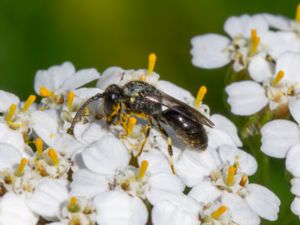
(112, 99)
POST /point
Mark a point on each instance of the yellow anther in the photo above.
(254, 42)
(73, 204)
(53, 156)
(151, 62)
(244, 181)
(28, 103)
(20, 170)
(70, 99)
(200, 95)
(11, 111)
(39, 146)
(230, 175)
(298, 14)
(130, 125)
(219, 212)
(143, 78)
(45, 92)
(278, 78)
(143, 169)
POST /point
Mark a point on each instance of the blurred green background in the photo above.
(36, 34)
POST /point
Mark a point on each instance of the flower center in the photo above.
(73, 205)
(200, 95)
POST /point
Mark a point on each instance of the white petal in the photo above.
(217, 138)
(86, 183)
(205, 192)
(292, 162)
(278, 136)
(192, 166)
(224, 124)
(208, 51)
(289, 63)
(9, 156)
(230, 155)
(80, 78)
(263, 202)
(181, 210)
(175, 91)
(260, 69)
(118, 208)
(239, 210)
(14, 211)
(295, 186)
(12, 137)
(295, 206)
(45, 124)
(112, 75)
(277, 21)
(106, 155)
(54, 77)
(89, 132)
(157, 162)
(243, 25)
(6, 99)
(161, 183)
(66, 144)
(246, 97)
(49, 194)
(294, 107)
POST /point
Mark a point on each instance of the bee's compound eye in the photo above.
(112, 98)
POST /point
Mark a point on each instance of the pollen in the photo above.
(20, 170)
(53, 156)
(298, 14)
(278, 78)
(143, 169)
(39, 146)
(244, 181)
(151, 63)
(230, 175)
(11, 111)
(200, 95)
(70, 100)
(30, 100)
(73, 205)
(254, 42)
(130, 125)
(219, 212)
(45, 92)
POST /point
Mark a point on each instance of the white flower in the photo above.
(213, 50)
(278, 87)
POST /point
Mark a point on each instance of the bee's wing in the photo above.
(182, 108)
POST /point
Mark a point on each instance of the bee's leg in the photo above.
(147, 133)
(81, 110)
(169, 141)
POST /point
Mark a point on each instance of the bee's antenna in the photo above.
(80, 111)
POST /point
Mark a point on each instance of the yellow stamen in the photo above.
(53, 156)
(11, 112)
(254, 42)
(200, 95)
(298, 14)
(130, 125)
(151, 63)
(20, 171)
(45, 92)
(39, 146)
(28, 103)
(278, 78)
(230, 175)
(143, 169)
(70, 100)
(73, 204)
(244, 180)
(219, 212)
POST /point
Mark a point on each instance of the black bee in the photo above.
(144, 100)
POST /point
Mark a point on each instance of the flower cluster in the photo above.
(264, 50)
(99, 175)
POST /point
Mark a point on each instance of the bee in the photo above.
(147, 102)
